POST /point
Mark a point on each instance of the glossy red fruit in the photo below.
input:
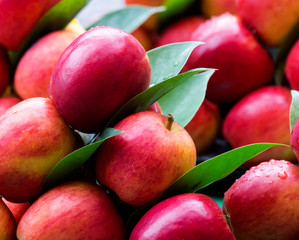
(7, 102)
(292, 67)
(7, 223)
(17, 209)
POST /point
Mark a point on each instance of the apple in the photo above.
(4, 70)
(261, 116)
(35, 68)
(291, 67)
(243, 64)
(140, 163)
(188, 216)
(211, 8)
(205, 126)
(17, 19)
(74, 210)
(7, 102)
(180, 31)
(17, 209)
(262, 16)
(33, 138)
(7, 223)
(155, 107)
(263, 203)
(98, 72)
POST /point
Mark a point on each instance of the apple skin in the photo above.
(263, 15)
(232, 49)
(261, 116)
(140, 163)
(205, 126)
(33, 138)
(35, 68)
(180, 31)
(7, 102)
(8, 225)
(17, 209)
(74, 210)
(263, 203)
(15, 13)
(85, 86)
(188, 216)
(4, 70)
(211, 8)
(291, 67)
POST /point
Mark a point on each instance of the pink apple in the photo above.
(17, 209)
(17, 19)
(7, 102)
(140, 163)
(33, 138)
(101, 70)
(272, 22)
(4, 70)
(261, 116)
(189, 216)
(263, 203)
(217, 7)
(7, 223)
(243, 64)
(205, 126)
(35, 68)
(75, 210)
(180, 31)
(292, 67)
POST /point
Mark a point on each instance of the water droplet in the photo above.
(283, 175)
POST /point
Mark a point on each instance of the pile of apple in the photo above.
(64, 92)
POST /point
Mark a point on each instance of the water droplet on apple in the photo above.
(283, 175)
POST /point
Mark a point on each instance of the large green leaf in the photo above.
(294, 109)
(184, 101)
(128, 18)
(145, 99)
(167, 61)
(76, 159)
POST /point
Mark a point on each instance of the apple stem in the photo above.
(169, 121)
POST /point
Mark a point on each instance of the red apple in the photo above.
(180, 31)
(7, 223)
(7, 102)
(204, 126)
(35, 68)
(33, 138)
(17, 209)
(292, 67)
(75, 210)
(272, 22)
(217, 7)
(98, 72)
(4, 70)
(244, 65)
(263, 203)
(189, 216)
(140, 163)
(17, 19)
(261, 116)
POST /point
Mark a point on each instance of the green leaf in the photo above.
(216, 168)
(76, 159)
(128, 18)
(145, 99)
(167, 61)
(294, 109)
(55, 19)
(184, 101)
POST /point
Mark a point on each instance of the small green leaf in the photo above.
(167, 61)
(184, 101)
(76, 159)
(145, 99)
(294, 109)
(216, 168)
(128, 18)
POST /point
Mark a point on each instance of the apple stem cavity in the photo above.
(169, 121)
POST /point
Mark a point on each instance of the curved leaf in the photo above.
(184, 101)
(127, 18)
(294, 109)
(167, 61)
(76, 159)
